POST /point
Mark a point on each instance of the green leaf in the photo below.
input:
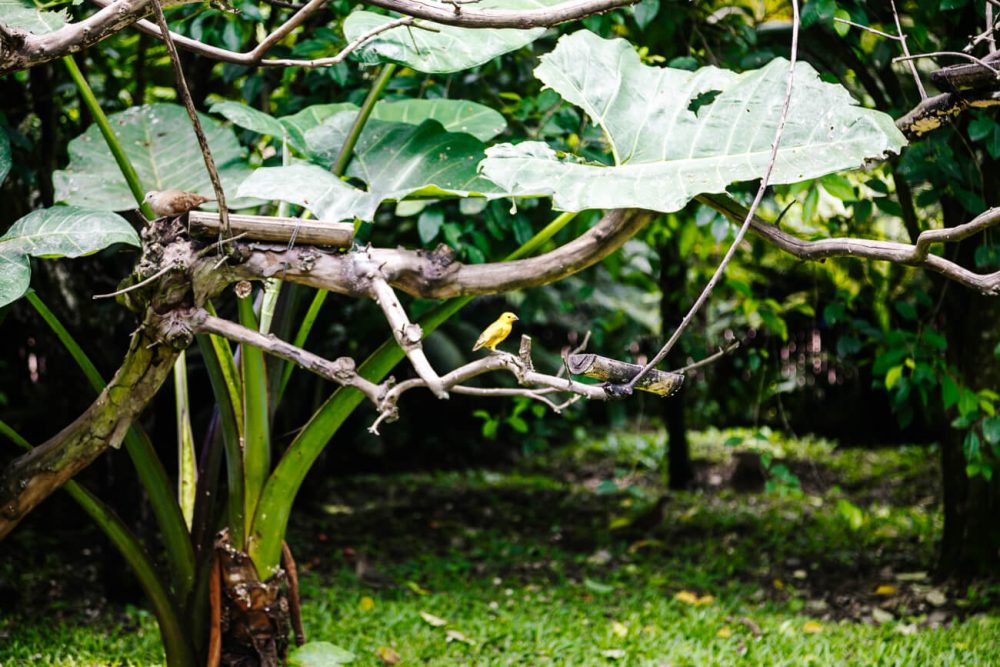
(23, 15)
(595, 586)
(299, 123)
(892, 376)
(645, 12)
(841, 28)
(991, 430)
(968, 403)
(664, 153)
(839, 186)
(5, 156)
(159, 142)
(313, 187)
(472, 118)
(447, 48)
(249, 118)
(949, 391)
(429, 224)
(60, 231)
(15, 276)
(319, 654)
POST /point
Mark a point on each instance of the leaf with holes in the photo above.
(60, 231)
(675, 134)
(443, 48)
(159, 141)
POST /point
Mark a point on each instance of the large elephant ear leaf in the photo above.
(675, 134)
(60, 231)
(23, 15)
(160, 143)
(444, 48)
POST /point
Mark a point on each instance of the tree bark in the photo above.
(970, 544)
(678, 472)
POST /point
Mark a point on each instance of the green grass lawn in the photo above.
(576, 560)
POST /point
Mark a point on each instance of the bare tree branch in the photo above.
(501, 18)
(916, 255)
(437, 275)
(20, 49)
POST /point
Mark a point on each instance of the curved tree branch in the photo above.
(437, 275)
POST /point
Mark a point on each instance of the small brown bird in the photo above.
(171, 203)
(495, 334)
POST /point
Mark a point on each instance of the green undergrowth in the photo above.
(579, 558)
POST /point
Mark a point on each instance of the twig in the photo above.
(630, 386)
(917, 254)
(866, 28)
(141, 283)
(722, 351)
(956, 54)
(215, 613)
(185, 95)
(906, 51)
(341, 371)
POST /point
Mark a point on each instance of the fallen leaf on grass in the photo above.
(936, 598)
(911, 576)
(724, 632)
(619, 629)
(886, 589)
(613, 653)
(687, 597)
(881, 616)
(417, 588)
(643, 544)
(319, 654)
(597, 587)
(812, 627)
(366, 603)
(388, 655)
(431, 619)
(456, 636)
(778, 584)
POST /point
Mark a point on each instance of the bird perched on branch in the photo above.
(496, 332)
(169, 203)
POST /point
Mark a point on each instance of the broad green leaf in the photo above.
(313, 187)
(23, 15)
(60, 231)
(5, 155)
(478, 120)
(398, 160)
(15, 276)
(675, 134)
(447, 48)
(299, 123)
(159, 141)
(395, 160)
(249, 118)
(319, 654)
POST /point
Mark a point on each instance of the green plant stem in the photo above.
(273, 510)
(180, 652)
(128, 171)
(229, 424)
(228, 372)
(381, 81)
(256, 417)
(154, 479)
(187, 474)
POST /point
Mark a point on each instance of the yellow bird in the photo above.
(496, 332)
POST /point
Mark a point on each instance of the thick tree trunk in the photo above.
(970, 545)
(679, 473)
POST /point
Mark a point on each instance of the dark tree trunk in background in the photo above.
(970, 545)
(673, 273)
